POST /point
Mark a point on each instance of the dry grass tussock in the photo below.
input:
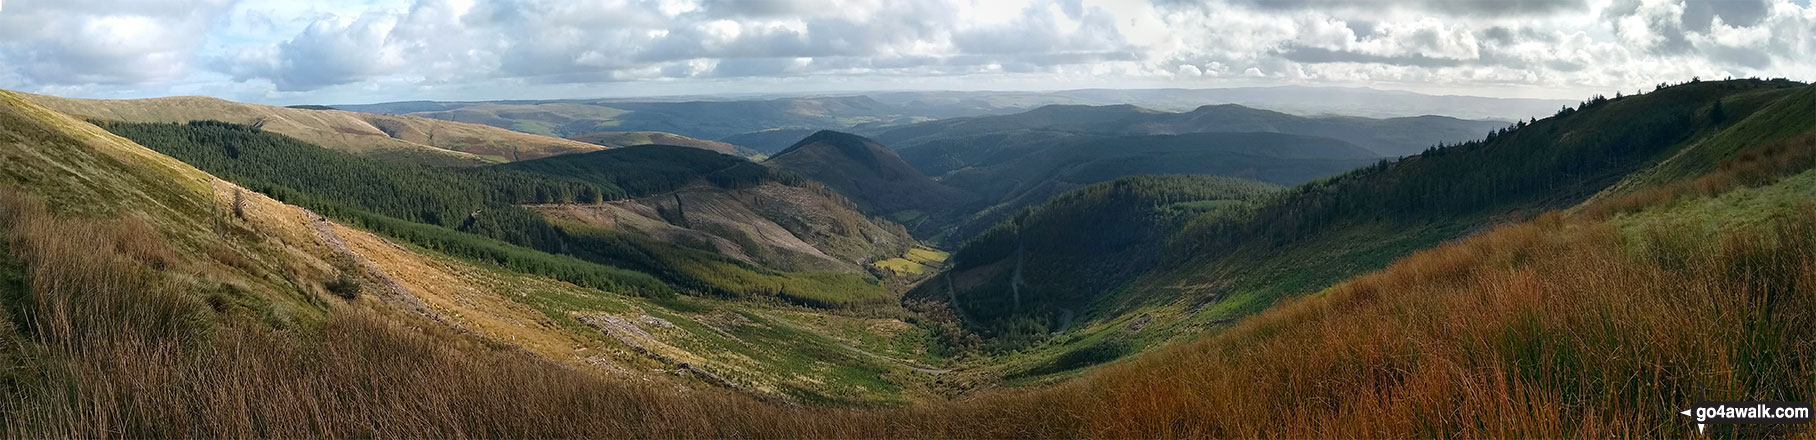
(1750, 168)
(109, 339)
(1559, 327)
(1547, 329)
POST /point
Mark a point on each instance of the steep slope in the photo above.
(478, 212)
(400, 138)
(1059, 256)
(619, 139)
(727, 206)
(1601, 321)
(1029, 168)
(871, 175)
(308, 290)
(1229, 263)
(1558, 327)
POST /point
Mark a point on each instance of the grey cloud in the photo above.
(579, 42)
(1498, 34)
(1484, 8)
(539, 42)
(1747, 57)
(1040, 33)
(744, 67)
(1313, 55)
(1699, 14)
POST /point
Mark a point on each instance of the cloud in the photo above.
(403, 46)
(1471, 8)
(52, 42)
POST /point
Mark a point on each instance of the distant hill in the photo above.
(770, 141)
(703, 119)
(869, 174)
(633, 138)
(1018, 169)
(393, 137)
(1385, 137)
(1238, 259)
(140, 252)
(1297, 100)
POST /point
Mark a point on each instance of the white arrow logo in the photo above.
(1699, 426)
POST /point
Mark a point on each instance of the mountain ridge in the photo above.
(403, 138)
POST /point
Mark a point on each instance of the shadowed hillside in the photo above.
(1228, 263)
(870, 175)
(1026, 169)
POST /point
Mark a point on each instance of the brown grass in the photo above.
(1750, 168)
(1546, 329)
(1559, 327)
(116, 348)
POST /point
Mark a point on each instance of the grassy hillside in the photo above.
(1558, 327)
(1229, 263)
(475, 213)
(634, 138)
(772, 225)
(1448, 192)
(398, 138)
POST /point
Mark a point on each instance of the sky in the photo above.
(363, 51)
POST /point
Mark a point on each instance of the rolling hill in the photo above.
(703, 119)
(770, 141)
(400, 138)
(870, 175)
(1393, 137)
(726, 206)
(1027, 168)
(1228, 263)
(227, 261)
(620, 139)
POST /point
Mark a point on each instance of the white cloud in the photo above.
(400, 47)
(61, 42)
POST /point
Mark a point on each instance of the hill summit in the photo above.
(871, 175)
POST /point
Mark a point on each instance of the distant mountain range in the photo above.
(748, 121)
(1392, 137)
